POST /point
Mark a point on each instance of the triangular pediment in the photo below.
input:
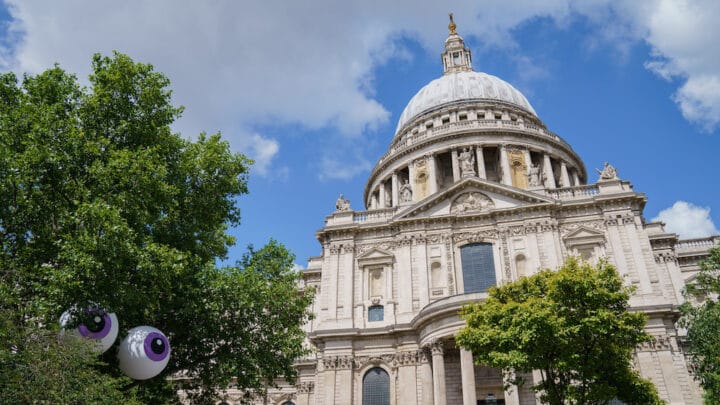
(375, 253)
(473, 196)
(375, 256)
(583, 232)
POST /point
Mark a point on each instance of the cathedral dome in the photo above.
(461, 87)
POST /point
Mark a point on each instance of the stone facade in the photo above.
(474, 167)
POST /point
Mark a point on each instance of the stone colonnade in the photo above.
(467, 370)
(421, 179)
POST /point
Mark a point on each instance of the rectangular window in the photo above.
(376, 313)
(478, 267)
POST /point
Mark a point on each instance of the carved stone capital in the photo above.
(437, 347)
(305, 387)
(660, 343)
(423, 356)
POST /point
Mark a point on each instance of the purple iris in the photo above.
(97, 326)
(156, 346)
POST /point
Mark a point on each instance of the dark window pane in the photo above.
(478, 267)
(376, 313)
(376, 387)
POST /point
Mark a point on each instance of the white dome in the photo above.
(462, 86)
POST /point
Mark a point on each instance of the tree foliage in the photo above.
(572, 325)
(703, 325)
(102, 204)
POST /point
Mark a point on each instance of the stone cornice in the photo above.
(557, 210)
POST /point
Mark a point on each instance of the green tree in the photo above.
(101, 203)
(703, 325)
(572, 325)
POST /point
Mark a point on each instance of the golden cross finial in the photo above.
(452, 25)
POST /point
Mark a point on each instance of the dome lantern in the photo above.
(456, 57)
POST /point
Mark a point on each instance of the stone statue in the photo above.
(342, 204)
(608, 172)
(534, 175)
(467, 163)
(405, 192)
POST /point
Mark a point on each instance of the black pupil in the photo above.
(157, 346)
(96, 324)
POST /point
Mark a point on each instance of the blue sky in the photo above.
(313, 90)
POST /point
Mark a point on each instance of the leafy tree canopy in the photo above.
(572, 325)
(703, 325)
(102, 204)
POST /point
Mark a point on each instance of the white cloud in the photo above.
(687, 220)
(684, 35)
(342, 167)
(269, 62)
(261, 149)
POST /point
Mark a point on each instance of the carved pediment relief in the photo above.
(471, 202)
(473, 195)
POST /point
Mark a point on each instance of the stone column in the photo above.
(432, 174)
(467, 371)
(455, 166)
(426, 397)
(329, 383)
(548, 171)
(343, 380)
(406, 382)
(303, 392)
(382, 194)
(512, 396)
(505, 166)
(395, 190)
(576, 179)
(438, 366)
(480, 158)
(564, 178)
(373, 201)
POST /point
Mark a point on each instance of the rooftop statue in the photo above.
(608, 172)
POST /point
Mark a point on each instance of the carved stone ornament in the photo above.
(436, 347)
(405, 192)
(467, 163)
(470, 202)
(342, 205)
(534, 176)
(421, 163)
(305, 387)
(608, 172)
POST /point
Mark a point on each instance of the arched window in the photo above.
(478, 267)
(376, 387)
(288, 403)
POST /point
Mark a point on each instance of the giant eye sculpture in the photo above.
(98, 325)
(144, 352)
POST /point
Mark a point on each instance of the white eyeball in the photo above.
(98, 325)
(144, 353)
